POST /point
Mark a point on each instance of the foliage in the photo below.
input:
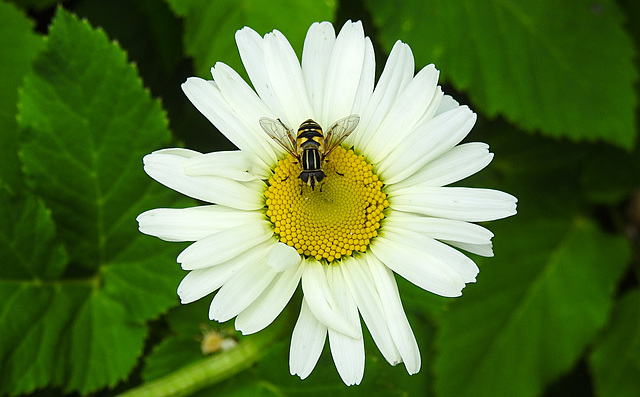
(89, 305)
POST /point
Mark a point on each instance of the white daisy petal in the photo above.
(456, 164)
(236, 165)
(366, 295)
(224, 245)
(478, 249)
(201, 282)
(241, 290)
(270, 304)
(435, 252)
(321, 300)
(250, 46)
(283, 257)
(441, 229)
(347, 352)
(427, 142)
(427, 272)
(343, 73)
(466, 204)
(397, 73)
(207, 98)
(408, 108)
(446, 104)
(315, 58)
(307, 342)
(167, 167)
(248, 107)
(285, 74)
(191, 224)
(367, 78)
(395, 317)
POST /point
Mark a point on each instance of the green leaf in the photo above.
(615, 361)
(210, 27)
(535, 308)
(564, 71)
(31, 259)
(18, 47)
(28, 240)
(87, 122)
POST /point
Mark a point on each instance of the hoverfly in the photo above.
(310, 146)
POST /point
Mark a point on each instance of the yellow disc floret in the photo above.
(338, 217)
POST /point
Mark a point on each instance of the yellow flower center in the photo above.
(339, 217)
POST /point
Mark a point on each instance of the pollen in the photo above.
(338, 218)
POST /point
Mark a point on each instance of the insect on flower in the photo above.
(310, 146)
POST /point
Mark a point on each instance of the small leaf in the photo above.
(535, 308)
(210, 27)
(19, 45)
(87, 123)
(615, 361)
(564, 71)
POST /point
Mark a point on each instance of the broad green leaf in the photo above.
(565, 71)
(210, 26)
(19, 45)
(87, 122)
(615, 361)
(535, 308)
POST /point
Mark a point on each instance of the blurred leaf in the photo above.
(271, 377)
(172, 353)
(615, 361)
(536, 306)
(182, 345)
(18, 47)
(88, 121)
(210, 26)
(611, 174)
(564, 71)
(37, 4)
(149, 31)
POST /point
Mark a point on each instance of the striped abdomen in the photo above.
(310, 142)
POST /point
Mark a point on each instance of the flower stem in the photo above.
(208, 371)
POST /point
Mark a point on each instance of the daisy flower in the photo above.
(379, 208)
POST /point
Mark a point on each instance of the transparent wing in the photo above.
(339, 131)
(280, 133)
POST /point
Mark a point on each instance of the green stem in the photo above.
(208, 371)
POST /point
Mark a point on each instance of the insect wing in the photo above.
(339, 131)
(280, 133)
